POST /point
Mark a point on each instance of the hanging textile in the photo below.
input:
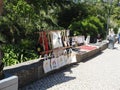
(43, 41)
(72, 56)
(46, 64)
(54, 61)
(56, 39)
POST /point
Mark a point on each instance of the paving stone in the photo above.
(99, 73)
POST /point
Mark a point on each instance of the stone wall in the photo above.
(27, 72)
(31, 71)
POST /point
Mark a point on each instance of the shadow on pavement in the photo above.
(50, 80)
(90, 58)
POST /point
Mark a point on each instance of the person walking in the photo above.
(111, 39)
(118, 36)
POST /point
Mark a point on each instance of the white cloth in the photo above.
(46, 66)
(87, 41)
(56, 39)
(54, 63)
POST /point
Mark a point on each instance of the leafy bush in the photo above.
(90, 26)
(116, 30)
(14, 54)
(21, 18)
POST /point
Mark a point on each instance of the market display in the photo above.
(58, 49)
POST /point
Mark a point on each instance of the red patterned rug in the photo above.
(88, 48)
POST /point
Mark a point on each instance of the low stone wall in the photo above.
(27, 72)
(85, 55)
(31, 71)
(103, 46)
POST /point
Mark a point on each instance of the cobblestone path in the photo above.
(99, 73)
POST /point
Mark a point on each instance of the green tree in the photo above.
(90, 26)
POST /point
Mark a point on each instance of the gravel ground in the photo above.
(99, 73)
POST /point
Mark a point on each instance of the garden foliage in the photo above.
(21, 19)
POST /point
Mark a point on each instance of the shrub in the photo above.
(89, 26)
(14, 54)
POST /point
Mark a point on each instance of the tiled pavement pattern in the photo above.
(99, 73)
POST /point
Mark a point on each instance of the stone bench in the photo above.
(9, 83)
